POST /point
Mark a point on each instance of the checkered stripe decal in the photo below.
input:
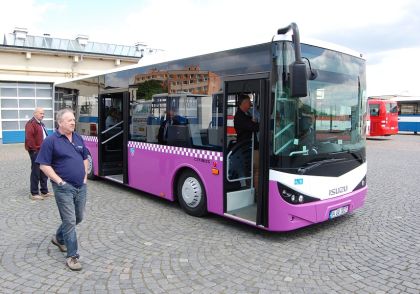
(90, 138)
(188, 152)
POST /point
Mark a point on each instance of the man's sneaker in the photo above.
(73, 263)
(62, 247)
(48, 194)
(36, 197)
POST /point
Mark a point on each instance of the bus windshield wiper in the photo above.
(312, 165)
(356, 155)
(353, 153)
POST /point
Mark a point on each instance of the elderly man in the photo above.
(35, 133)
(63, 158)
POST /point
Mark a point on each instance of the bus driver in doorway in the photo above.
(246, 126)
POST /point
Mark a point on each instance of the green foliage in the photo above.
(149, 88)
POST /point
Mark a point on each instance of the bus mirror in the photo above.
(298, 80)
(313, 74)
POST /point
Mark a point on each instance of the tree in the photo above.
(149, 88)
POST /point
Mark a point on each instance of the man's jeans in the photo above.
(71, 204)
(37, 176)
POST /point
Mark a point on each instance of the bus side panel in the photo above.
(285, 217)
(91, 143)
(152, 169)
(409, 123)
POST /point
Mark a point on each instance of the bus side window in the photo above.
(374, 109)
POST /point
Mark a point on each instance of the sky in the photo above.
(385, 32)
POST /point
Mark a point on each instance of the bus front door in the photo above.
(246, 168)
(113, 135)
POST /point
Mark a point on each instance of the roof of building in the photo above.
(20, 39)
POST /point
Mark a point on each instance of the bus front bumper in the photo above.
(286, 217)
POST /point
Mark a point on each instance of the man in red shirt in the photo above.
(35, 133)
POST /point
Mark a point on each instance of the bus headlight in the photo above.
(300, 198)
(361, 185)
(293, 197)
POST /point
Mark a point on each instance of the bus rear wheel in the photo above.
(191, 194)
(91, 173)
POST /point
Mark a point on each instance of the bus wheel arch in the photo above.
(190, 192)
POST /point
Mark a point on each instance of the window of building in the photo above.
(18, 101)
(27, 103)
(9, 103)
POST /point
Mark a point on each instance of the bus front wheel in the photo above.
(191, 194)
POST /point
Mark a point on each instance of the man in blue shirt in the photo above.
(63, 158)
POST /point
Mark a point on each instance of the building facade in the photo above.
(190, 79)
(30, 65)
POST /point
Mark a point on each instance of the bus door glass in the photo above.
(392, 115)
(112, 135)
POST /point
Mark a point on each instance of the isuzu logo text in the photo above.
(338, 190)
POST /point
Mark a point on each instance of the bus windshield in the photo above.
(330, 120)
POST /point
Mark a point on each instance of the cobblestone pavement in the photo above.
(135, 243)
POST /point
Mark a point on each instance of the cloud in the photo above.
(192, 27)
(395, 74)
(396, 27)
(24, 13)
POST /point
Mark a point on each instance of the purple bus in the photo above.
(311, 101)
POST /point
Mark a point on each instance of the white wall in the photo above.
(42, 67)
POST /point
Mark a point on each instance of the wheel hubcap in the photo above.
(90, 167)
(191, 192)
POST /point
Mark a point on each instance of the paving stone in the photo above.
(131, 242)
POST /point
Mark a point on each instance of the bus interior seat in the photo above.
(215, 136)
(231, 144)
(239, 165)
(196, 135)
(179, 135)
(240, 160)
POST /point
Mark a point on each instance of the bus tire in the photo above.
(191, 194)
(91, 172)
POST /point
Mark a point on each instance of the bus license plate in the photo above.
(338, 212)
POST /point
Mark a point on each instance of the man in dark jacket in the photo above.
(35, 133)
(171, 119)
(246, 126)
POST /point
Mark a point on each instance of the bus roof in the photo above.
(321, 44)
(311, 42)
(405, 98)
(177, 94)
(380, 100)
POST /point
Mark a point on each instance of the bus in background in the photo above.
(408, 114)
(311, 100)
(383, 117)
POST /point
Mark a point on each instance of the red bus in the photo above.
(383, 117)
